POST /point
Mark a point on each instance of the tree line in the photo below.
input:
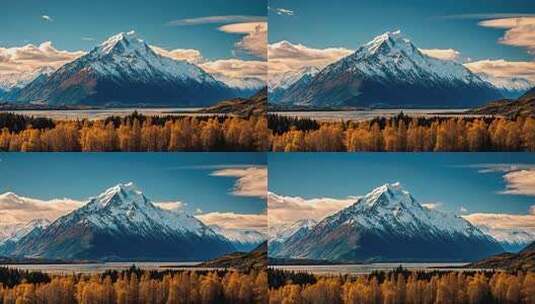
(142, 287)
(136, 133)
(414, 288)
(405, 134)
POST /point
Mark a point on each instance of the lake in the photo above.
(369, 268)
(101, 267)
(362, 115)
(96, 114)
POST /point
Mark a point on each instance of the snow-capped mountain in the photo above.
(291, 81)
(290, 232)
(512, 240)
(12, 81)
(388, 224)
(122, 224)
(287, 79)
(510, 87)
(125, 70)
(242, 240)
(391, 71)
(14, 232)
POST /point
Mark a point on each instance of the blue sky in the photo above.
(472, 181)
(429, 24)
(494, 37)
(73, 24)
(163, 177)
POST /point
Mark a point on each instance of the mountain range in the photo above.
(387, 71)
(121, 224)
(387, 224)
(124, 70)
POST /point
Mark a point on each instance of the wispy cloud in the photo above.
(189, 55)
(47, 18)
(443, 54)
(251, 182)
(88, 39)
(282, 11)
(484, 16)
(505, 227)
(216, 20)
(289, 209)
(31, 57)
(285, 56)
(254, 40)
(503, 68)
(520, 31)
(436, 205)
(16, 209)
(231, 220)
(519, 178)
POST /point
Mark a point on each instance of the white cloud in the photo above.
(16, 209)
(47, 18)
(521, 182)
(88, 39)
(520, 31)
(285, 56)
(443, 54)
(216, 20)
(289, 209)
(283, 11)
(172, 206)
(30, 57)
(189, 55)
(506, 227)
(231, 220)
(236, 68)
(251, 181)
(254, 40)
(432, 205)
(503, 68)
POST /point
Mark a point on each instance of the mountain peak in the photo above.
(125, 192)
(393, 192)
(121, 42)
(389, 41)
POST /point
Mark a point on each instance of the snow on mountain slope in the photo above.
(243, 240)
(18, 80)
(512, 240)
(510, 87)
(283, 232)
(122, 224)
(125, 70)
(388, 224)
(17, 231)
(390, 70)
(287, 79)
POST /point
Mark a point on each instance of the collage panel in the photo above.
(162, 76)
(401, 227)
(133, 228)
(403, 76)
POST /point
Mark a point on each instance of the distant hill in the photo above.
(524, 260)
(523, 106)
(242, 261)
(243, 107)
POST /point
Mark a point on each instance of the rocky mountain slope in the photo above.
(388, 224)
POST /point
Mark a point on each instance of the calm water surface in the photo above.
(96, 114)
(101, 267)
(369, 268)
(370, 114)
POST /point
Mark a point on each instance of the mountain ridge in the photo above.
(390, 70)
(388, 224)
(109, 226)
